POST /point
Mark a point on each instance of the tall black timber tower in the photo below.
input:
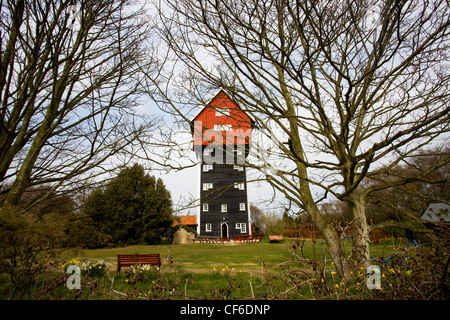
(222, 137)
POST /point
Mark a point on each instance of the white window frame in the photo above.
(242, 226)
(205, 207)
(238, 168)
(207, 185)
(220, 112)
(242, 206)
(223, 208)
(239, 185)
(207, 167)
(208, 227)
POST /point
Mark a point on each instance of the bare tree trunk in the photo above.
(333, 244)
(360, 228)
(307, 201)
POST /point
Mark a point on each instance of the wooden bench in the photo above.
(128, 260)
(275, 238)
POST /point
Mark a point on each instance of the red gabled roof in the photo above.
(207, 118)
(215, 101)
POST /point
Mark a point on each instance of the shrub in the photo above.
(29, 247)
(419, 273)
(81, 231)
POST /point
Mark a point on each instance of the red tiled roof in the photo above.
(186, 220)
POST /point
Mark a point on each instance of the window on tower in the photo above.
(242, 206)
(224, 208)
(207, 186)
(222, 112)
(208, 227)
(205, 207)
(207, 167)
(242, 226)
(240, 186)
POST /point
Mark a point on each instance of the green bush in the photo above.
(29, 247)
(133, 208)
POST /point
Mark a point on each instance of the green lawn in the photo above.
(202, 271)
(248, 257)
(203, 257)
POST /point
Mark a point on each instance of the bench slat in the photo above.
(128, 260)
(276, 238)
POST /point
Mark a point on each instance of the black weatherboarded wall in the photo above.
(228, 188)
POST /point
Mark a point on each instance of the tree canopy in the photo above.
(133, 207)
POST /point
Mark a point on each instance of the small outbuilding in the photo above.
(189, 221)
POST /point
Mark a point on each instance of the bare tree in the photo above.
(403, 191)
(69, 85)
(342, 85)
